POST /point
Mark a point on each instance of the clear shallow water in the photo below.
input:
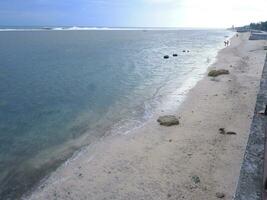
(57, 87)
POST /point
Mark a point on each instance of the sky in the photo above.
(132, 13)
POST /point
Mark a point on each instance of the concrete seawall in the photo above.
(250, 185)
(258, 36)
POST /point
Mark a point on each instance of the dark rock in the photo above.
(220, 195)
(218, 72)
(174, 55)
(184, 50)
(168, 120)
(166, 57)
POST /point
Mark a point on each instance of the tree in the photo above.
(259, 26)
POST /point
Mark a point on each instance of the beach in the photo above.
(189, 161)
(78, 86)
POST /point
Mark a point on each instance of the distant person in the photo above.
(225, 43)
(237, 35)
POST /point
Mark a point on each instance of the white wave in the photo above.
(81, 28)
(19, 29)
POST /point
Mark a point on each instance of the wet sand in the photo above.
(189, 161)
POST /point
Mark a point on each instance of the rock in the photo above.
(166, 57)
(168, 120)
(184, 50)
(196, 179)
(220, 195)
(174, 55)
(218, 72)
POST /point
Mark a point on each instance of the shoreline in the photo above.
(144, 164)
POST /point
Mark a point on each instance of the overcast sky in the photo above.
(132, 13)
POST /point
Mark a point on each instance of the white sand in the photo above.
(146, 165)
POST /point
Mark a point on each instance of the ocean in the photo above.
(62, 89)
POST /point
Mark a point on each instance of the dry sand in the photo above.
(188, 161)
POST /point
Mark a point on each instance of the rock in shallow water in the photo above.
(168, 120)
(166, 57)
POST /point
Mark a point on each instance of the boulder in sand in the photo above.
(218, 72)
(168, 120)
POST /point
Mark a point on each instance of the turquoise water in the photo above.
(60, 90)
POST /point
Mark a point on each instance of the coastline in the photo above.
(145, 164)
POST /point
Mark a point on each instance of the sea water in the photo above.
(61, 90)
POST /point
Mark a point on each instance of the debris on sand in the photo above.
(223, 132)
(218, 72)
(230, 133)
(168, 120)
(220, 195)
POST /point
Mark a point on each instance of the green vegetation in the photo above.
(259, 26)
